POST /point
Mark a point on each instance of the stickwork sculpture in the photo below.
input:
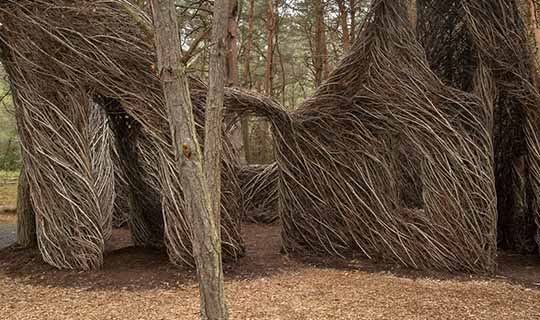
(110, 181)
(490, 56)
(260, 187)
(343, 155)
(391, 159)
(61, 57)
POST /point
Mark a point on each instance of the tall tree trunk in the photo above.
(280, 56)
(326, 65)
(214, 102)
(262, 129)
(320, 58)
(352, 8)
(232, 48)
(247, 80)
(283, 74)
(249, 45)
(269, 72)
(535, 29)
(198, 201)
(343, 17)
(232, 73)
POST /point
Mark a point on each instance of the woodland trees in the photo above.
(283, 48)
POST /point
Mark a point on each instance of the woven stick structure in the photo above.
(482, 47)
(393, 157)
(103, 170)
(261, 194)
(109, 179)
(382, 117)
(62, 56)
(121, 213)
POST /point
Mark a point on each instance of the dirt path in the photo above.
(138, 284)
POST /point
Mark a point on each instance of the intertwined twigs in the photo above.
(382, 117)
(260, 188)
(386, 160)
(103, 170)
(60, 55)
(482, 47)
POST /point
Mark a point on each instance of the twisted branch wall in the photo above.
(60, 55)
(384, 115)
(386, 160)
(486, 51)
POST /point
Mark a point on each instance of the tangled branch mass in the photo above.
(420, 149)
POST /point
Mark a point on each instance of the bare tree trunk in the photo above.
(352, 8)
(280, 56)
(283, 74)
(324, 47)
(320, 58)
(214, 103)
(247, 80)
(232, 39)
(198, 201)
(249, 45)
(232, 73)
(269, 72)
(535, 30)
(262, 128)
(344, 25)
(26, 219)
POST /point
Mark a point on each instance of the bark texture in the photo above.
(198, 202)
(344, 24)
(320, 56)
(535, 30)
(269, 68)
(232, 77)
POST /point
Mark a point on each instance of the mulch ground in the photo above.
(140, 284)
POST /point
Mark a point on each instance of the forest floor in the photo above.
(141, 284)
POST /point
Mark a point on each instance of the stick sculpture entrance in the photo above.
(391, 158)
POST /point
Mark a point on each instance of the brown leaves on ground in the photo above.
(139, 284)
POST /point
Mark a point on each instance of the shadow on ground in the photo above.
(130, 268)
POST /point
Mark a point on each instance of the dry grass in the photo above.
(8, 197)
(8, 203)
(8, 218)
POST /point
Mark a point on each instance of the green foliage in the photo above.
(10, 156)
